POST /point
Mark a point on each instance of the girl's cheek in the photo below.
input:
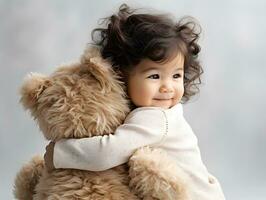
(181, 91)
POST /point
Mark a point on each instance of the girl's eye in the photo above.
(176, 76)
(154, 76)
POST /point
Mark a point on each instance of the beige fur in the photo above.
(83, 100)
(153, 173)
(27, 180)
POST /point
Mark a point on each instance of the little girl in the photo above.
(157, 59)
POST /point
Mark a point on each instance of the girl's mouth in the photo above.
(163, 99)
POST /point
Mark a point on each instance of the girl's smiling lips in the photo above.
(163, 99)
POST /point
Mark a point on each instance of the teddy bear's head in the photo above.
(79, 100)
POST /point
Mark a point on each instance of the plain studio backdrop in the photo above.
(228, 116)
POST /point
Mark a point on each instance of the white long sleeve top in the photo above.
(164, 128)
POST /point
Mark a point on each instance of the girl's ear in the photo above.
(33, 86)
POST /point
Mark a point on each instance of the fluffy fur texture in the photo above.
(28, 178)
(84, 100)
(149, 165)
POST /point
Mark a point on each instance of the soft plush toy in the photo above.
(86, 99)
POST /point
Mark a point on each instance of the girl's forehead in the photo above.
(177, 62)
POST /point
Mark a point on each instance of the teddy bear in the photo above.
(86, 99)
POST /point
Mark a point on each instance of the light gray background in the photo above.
(228, 116)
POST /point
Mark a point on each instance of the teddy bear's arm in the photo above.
(27, 178)
(154, 174)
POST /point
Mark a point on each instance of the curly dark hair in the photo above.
(131, 37)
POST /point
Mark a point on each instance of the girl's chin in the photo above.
(166, 104)
(163, 103)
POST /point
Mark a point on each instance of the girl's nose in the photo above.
(165, 89)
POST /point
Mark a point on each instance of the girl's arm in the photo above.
(141, 128)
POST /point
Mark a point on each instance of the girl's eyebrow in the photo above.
(149, 68)
(156, 68)
(179, 68)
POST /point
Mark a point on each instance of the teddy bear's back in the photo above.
(78, 184)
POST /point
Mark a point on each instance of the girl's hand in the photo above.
(48, 157)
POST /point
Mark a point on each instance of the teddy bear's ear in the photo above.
(33, 86)
(93, 56)
(100, 71)
(99, 67)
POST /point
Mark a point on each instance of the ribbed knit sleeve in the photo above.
(142, 127)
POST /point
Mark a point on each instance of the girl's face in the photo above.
(157, 84)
